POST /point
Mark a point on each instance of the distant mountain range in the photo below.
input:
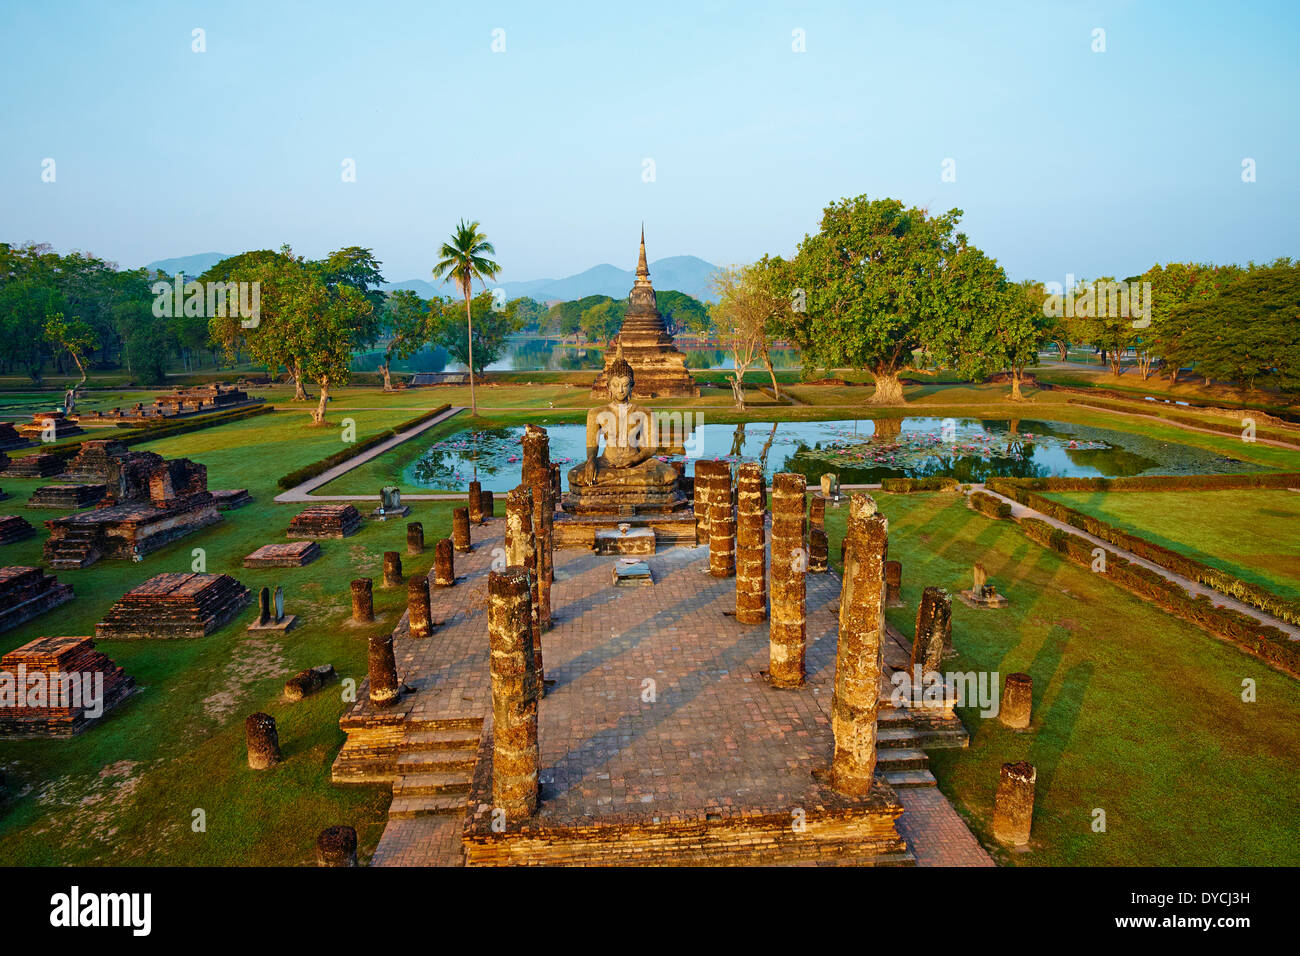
(689, 274)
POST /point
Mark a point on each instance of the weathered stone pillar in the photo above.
(521, 551)
(722, 524)
(444, 564)
(393, 570)
(383, 670)
(788, 629)
(414, 538)
(337, 846)
(858, 657)
(1017, 701)
(751, 544)
(516, 686)
(933, 630)
(1013, 806)
(557, 490)
(460, 530)
(476, 502)
(537, 473)
(263, 741)
(417, 606)
(701, 498)
(488, 504)
(363, 601)
(818, 545)
(893, 583)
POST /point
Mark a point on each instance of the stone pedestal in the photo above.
(393, 570)
(414, 538)
(337, 846)
(751, 544)
(858, 658)
(1013, 805)
(516, 686)
(788, 628)
(460, 530)
(363, 601)
(263, 741)
(417, 606)
(1017, 701)
(933, 630)
(444, 564)
(384, 688)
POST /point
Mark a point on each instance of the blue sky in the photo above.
(1066, 160)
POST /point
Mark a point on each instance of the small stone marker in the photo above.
(393, 570)
(982, 594)
(1017, 701)
(363, 601)
(337, 846)
(384, 688)
(444, 565)
(414, 538)
(390, 504)
(830, 486)
(417, 606)
(264, 607)
(1013, 805)
(460, 530)
(263, 741)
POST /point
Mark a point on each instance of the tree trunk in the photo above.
(388, 382)
(299, 393)
(1064, 349)
(776, 389)
(1015, 386)
(889, 390)
(318, 416)
(469, 327)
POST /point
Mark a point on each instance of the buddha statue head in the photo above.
(620, 378)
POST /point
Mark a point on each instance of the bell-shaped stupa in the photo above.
(643, 340)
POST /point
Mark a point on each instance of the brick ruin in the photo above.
(181, 403)
(58, 687)
(11, 439)
(14, 528)
(39, 465)
(49, 426)
(177, 605)
(27, 592)
(293, 555)
(148, 503)
(325, 521)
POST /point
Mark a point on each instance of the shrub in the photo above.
(307, 472)
(986, 504)
(905, 485)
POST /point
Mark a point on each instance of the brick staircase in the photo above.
(75, 549)
(434, 768)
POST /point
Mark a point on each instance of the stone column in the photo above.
(383, 670)
(488, 503)
(460, 530)
(893, 583)
(722, 524)
(263, 741)
(858, 653)
(522, 551)
(1013, 806)
(557, 489)
(515, 689)
(337, 846)
(1017, 701)
(444, 564)
(751, 544)
(393, 570)
(476, 502)
(417, 606)
(537, 473)
(701, 498)
(788, 629)
(363, 601)
(933, 630)
(818, 545)
(414, 538)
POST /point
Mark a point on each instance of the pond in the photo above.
(861, 451)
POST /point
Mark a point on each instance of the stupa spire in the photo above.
(642, 269)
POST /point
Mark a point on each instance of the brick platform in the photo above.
(325, 521)
(14, 528)
(72, 497)
(52, 661)
(283, 555)
(40, 465)
(27, 592)
(175, 606)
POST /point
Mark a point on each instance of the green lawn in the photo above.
(1135, 712)
(1253, 534)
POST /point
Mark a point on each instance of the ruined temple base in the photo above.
(26, 592)
(293, 555)
(69, 497)
(175, 606)
(14, 528)
(325, 521)
(53, 657)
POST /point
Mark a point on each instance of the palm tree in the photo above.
(465, 259)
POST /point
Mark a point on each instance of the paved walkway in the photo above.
(1194, 588)
(657, 707)
(303, 491)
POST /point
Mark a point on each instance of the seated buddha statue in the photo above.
(630, 442)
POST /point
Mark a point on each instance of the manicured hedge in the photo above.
(1156, 411)
(987, 504)
(1260, 639)
(1220, 580)
(904, 485)
(295, 478)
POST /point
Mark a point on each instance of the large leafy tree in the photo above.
(24, 306)
(466, 257)
(740, 316)
(878, 283)
(485, 339)
(78, 339)
(682, 312)
(1174, 285)
(409, 323)
(600, 322)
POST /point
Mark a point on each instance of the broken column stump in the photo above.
(788, 628)
(751, 544)
(460, 530)
(337, 846)
(306, 682)
(893, 583)
(384, 688)
(414, 538)
(363, 601)
(858, 657)
(475, 502)
(515, 689)
(444, 564)
(393, 570)
(417, 606)
(933, 630)
(1017, 701)
(263, 741)
(1013, 805)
